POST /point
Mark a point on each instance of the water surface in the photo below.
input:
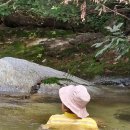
(112, 112)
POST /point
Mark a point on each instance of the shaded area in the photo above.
(123, 114)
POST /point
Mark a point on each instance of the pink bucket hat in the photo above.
(76, 99)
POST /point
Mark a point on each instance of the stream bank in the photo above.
(34, 45)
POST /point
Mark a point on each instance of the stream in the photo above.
(112, 111)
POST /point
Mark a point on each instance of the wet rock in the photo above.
(120, 82)
(52, 90)
(49, 89)
(35, 89)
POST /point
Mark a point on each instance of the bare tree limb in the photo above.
(6, 3)
(114, 11)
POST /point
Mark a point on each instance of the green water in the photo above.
(28, 115)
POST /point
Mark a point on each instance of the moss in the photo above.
(32, 33)
(71, 61)
(53, 80)
(68, 52)
(19, 50)
(57, 33)
(91, 68)
(121, 68)
(86, 66)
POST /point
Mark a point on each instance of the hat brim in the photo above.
(67, 100)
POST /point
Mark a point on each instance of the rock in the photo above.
(49, 90)
(19, 76)
(120, 82)
(53, 89)
(87, 38)
(57, 46)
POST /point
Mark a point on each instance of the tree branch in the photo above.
(116, 12)
(6, 3)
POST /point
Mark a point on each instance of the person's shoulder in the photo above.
(56, 116)
(90, 122)
(89, 119)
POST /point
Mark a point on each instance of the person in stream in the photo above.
(74, 100)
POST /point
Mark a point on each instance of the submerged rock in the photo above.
(120, 82)
(19, 76)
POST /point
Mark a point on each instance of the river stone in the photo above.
(52, 90)
(18, 76)
(49, 90)
(116, 81)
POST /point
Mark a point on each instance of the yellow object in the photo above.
(68, 121)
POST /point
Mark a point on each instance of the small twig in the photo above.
(116, 12)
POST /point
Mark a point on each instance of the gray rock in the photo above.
(52, 90)
(58, 46)
(49, 90)
(18, 76)
(117, 81)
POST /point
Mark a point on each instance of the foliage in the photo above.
(19, 50)
(43, 8)
(96, 22)
(71, 13)
(53, 80)
(114, 41)
(68, 13)
(101, 6)
(55, 8)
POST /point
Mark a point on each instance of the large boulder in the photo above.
(19, 76)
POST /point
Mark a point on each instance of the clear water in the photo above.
(28, 115)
